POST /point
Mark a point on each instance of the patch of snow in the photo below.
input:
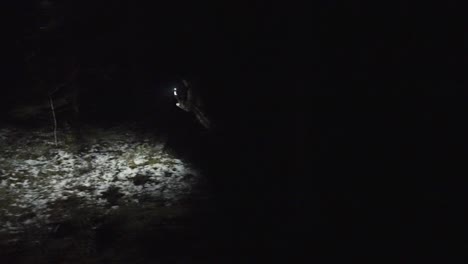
(29, 221)
(89, 175)
(140, 160)
(34, 162)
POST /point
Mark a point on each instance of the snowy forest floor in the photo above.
(92, 200)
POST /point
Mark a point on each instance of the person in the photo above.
(189, 101)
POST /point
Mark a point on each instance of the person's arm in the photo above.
(181, 104)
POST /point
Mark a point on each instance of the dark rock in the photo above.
(27, 216)
(85, 188)
(141, 179)
(112, 195)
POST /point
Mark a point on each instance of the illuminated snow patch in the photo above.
(120, 167)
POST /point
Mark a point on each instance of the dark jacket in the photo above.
(189, 101)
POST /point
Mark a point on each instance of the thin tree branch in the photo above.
(55, 119)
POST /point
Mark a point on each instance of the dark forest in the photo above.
(231, 131)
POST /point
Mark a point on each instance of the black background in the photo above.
(340, 126)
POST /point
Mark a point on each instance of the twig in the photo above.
(55, 119)
(58, 87)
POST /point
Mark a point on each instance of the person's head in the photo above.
(181, 90)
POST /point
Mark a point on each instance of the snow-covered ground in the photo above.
(110, 168)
